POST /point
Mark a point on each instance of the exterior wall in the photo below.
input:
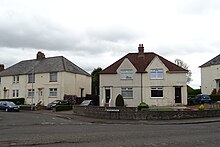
(74, 83)
(169, 82)
(209, 75)
(67, 83)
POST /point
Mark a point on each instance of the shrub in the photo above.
(119, 100)
(63, 107)
(143, 106)
(215, 97)
(202, 107)
(17, 101)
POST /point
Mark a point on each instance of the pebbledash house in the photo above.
(43, 80)
(143, 77)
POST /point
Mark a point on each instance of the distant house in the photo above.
(43, 80)
(145, 77)
(210, 76)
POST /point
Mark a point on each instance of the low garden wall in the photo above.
(133, 114)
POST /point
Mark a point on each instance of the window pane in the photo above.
(127, 92)
(53, 76)
(13, 95)
(156, 74)
(31, 78)
(157, 92)
(53, 91)
(30, 92)
(17, 93)
(126, 74)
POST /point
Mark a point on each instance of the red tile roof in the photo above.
(141, 63)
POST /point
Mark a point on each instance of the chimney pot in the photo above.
(40, 56)
(2, 67)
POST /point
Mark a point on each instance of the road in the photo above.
(24, 129)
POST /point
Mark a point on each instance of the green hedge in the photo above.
(215, 97)
(17, 101)
(143, 106)
(63, 107)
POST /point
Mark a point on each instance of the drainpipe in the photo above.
(141, 88)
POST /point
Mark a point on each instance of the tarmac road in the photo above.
(49, 129)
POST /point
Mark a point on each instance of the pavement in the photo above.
(70, 115)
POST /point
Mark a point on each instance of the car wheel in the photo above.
(6, 109)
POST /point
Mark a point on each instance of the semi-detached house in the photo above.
(143, 77)
(43, 80)
(210, 76)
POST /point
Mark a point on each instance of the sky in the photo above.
(96, 33)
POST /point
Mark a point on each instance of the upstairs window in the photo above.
(156, 74)
(53, 77)
(127, 92)
(16, 79)
(126, 74)
(31, 78)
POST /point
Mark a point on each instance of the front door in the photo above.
(178, 94)
(107, 95)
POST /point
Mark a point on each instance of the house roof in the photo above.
(214, 61)
(45, 65)
(141, 63)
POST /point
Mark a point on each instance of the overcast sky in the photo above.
(96, 33)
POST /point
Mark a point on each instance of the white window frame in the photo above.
(53, 77)
(16, 79)
(126, 74)
(53, 92)
(156, 74)
(15, 93)
(127, 92)
(156, 89)
(31, 78)
(31, 92)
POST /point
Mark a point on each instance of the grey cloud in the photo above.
(41, 33)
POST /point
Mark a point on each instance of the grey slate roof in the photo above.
(214, 61)
(46, 65)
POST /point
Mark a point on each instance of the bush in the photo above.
(202, 107)
(17, 101)
(143, 106)
(63, 107)
(119, 100)
(215, 97)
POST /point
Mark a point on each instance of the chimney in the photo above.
(2, 67)
(40, 56)
(141, 50)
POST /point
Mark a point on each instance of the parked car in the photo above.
(57, 102)
(200, 99)
(87, 103)
(9, 106)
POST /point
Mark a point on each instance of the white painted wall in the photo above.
(208, 78)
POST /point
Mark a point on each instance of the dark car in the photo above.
(200, 99)
(87, 103)
(57, 102)
(9, 106)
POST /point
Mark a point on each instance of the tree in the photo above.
(95, 80)
(185, 66)
(119, 101)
